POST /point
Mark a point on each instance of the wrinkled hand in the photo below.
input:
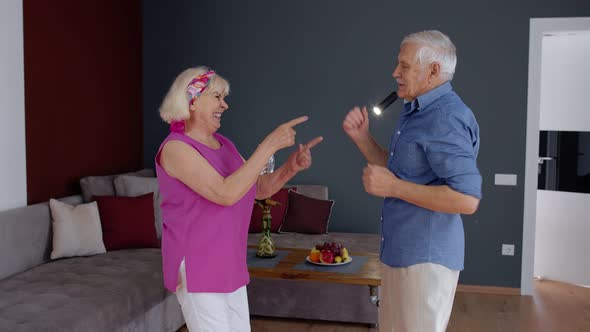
(301, 159)
(283, 136)
(356, 123)
(379, 181)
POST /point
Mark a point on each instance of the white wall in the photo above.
(563, 226)
(565, 82)
(563, 222)
(13, 182)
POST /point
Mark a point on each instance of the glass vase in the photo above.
(266, 246)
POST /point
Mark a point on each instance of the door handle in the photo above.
(540, 162)
(543, 159)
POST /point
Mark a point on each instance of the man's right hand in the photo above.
(356, 124)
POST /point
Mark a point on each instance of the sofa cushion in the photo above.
(306, 215)
(76, 230)
(97, 293)
(311, 190)
(103, 185)
(276, 212)
(127, 222)
(25, 236)
(312, 300)
(133, 186)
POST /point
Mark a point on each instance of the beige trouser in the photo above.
(213, 312)
(418, 298)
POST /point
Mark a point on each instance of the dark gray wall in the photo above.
(289, 58)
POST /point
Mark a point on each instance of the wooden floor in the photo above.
(555, 307)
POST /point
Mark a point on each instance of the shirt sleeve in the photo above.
(452, 154)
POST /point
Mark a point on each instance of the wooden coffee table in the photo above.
(369, 273)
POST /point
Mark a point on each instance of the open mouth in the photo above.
(217, 115)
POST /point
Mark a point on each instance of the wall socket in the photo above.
(507, 249)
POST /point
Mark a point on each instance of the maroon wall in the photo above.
(82, 92)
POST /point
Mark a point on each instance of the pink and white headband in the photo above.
(198, 85)
(194, 89)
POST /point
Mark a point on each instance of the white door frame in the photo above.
(538, 27)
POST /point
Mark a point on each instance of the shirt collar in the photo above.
(428, 98)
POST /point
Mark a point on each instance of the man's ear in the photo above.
(434, 70)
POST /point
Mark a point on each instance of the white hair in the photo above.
(175, 106)
(434, 46)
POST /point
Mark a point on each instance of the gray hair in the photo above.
(175, 106)
(434, 46)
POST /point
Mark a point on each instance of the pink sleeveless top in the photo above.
(211, 238)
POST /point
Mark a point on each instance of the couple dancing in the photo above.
(428, 177)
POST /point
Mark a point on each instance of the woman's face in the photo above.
(208, 109)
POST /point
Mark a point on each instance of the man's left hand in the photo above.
(301, 159)
(379, 181)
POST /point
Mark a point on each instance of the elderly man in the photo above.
(428, 178)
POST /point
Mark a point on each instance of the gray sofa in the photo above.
(123, 290)
(116, 291)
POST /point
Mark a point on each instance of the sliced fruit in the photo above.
(326, 257)
(314, 255)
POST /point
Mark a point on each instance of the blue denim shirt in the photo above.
(435, 142)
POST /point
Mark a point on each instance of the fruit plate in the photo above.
(326, 264)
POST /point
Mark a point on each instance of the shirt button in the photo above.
(382, 239)
(399, 132)
(391, 154)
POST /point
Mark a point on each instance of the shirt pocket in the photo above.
(410, 157)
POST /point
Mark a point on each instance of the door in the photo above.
(556, 216)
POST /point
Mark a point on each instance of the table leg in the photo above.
(374, 298)
(373, 295)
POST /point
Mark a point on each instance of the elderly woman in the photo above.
(208, 192)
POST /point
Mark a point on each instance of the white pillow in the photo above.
(76, 230)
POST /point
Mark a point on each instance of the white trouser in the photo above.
(213, 312)
(418, 298)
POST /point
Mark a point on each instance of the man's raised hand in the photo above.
(356, 123)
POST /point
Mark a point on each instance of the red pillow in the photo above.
(276, 212)
(127, 222)
(306, 215)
